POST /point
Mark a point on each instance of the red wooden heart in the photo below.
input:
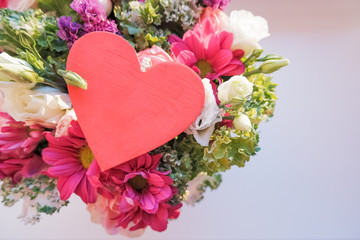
(124, 112)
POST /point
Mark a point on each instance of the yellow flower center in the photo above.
(86, 156)
(204, 67)
(138, 183)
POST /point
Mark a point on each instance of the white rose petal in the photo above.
(236, 86)
(242, 123)
(248, 30)
(203, 127)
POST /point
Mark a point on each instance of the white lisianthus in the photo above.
(247, 29)
(203, 127)
(236, 86)
(42, 105)
(20, 5)
(242, 123)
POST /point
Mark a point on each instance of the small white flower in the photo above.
(236, 86)
(203, 127)
(248, 30)
(242, 123)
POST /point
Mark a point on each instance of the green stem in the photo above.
(256, 71)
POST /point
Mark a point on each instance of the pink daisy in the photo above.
(73, 163)
(18, 140)
(17, 145)
(142, 193)
(207, 51)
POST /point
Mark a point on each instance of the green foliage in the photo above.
(31, 35)
(229, 149)
(150, 23)
(60, 7)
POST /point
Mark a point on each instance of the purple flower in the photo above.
(92, 13)
(68, 30)
(221, 4)
(89, 9)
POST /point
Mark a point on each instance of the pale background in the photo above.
(304, 184)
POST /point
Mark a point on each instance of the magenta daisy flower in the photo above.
(207, 52)
(17, 145)
(73, 164)
(142, 193)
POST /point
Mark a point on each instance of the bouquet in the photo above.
(129, 180)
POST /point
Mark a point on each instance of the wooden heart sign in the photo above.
(124, 112)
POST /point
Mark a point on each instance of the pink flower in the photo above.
(73, 163)
(152, 56)
(17, 145)
(17, 139)
(142, 193)
(17, 168)
(207, 51)
(106, 211)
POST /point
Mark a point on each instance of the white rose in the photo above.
(248, 30)
(203, 127)
(42, 105)
(20, 5)
(242, 123)
(236, 86)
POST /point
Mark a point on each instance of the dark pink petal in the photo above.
(147, 201)
(65, 169)
(94, 169)
(173, 39)
(33, 166)
(221, 59)
(67, 185)
(164, 194)
(226, 40)
(186, 57)
(155, 180)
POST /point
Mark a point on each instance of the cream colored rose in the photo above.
(248, 30)
(42, 105)
(242, 123)
(203, 127)
(236, 86)
(107, 6)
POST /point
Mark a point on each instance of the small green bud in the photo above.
(26, 40)
(73, 79)
(31, 76)
(269, 57)
(252, 58)
(271, 66)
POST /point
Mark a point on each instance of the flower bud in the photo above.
(18, 73)
(73, 79)
(271, 66)
(107, 6)
(242, 123)
(269, 57)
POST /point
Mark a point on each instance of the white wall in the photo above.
(304, 184)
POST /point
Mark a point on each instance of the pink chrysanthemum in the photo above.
(17, 145)
(142, 193)
(17, 139)
(73, 163)
(207, 52)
